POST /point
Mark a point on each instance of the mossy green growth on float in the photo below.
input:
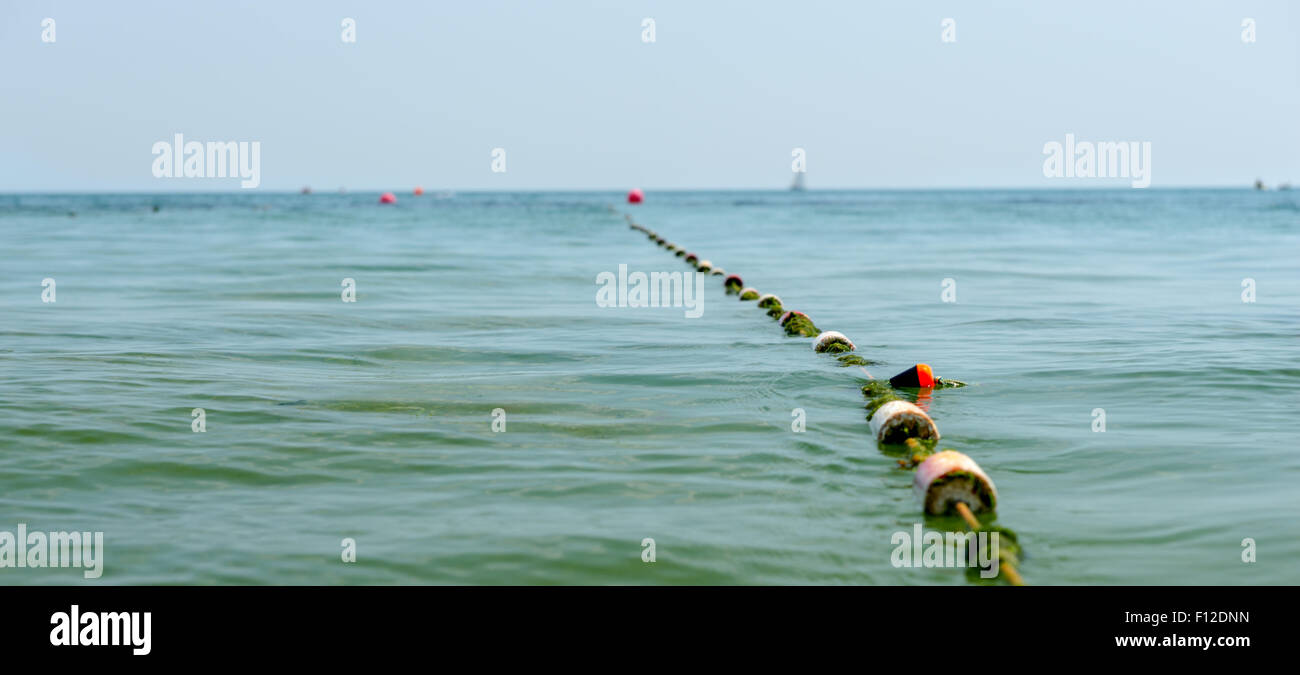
(878, 393)
(748, 294)
(1008, 550)
(948, 477)
(919, 450)
(798, 323)
(733, 283)
(877, 388)
(834, 342)
(894, 422)
(801, 326)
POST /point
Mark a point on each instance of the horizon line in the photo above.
(435, 190)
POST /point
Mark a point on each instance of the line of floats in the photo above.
(945, 482)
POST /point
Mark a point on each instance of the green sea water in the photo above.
(373, 420)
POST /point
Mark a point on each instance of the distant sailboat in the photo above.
(797, 185)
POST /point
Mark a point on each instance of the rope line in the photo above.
(947, 480)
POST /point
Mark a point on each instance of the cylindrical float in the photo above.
(733, 283)
(748, 294)
(769, 300)
(896, 421)
(948, 477)
(834, 342)
(691, 258)
(704, 266)
(798, 323)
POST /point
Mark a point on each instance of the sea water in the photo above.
(475, 416)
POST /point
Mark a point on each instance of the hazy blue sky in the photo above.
(579, 101)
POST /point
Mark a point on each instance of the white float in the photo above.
(971, 485)
(896, 421)
(830, 337)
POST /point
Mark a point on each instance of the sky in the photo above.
(579, 100)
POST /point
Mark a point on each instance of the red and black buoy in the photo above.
(918, 376)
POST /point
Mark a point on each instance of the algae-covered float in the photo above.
(798, 323)
(772, 304)
(948, 477)
(896, 421)
(834, 342)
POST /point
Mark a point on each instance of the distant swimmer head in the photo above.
(748, 294)
(948, 477)
(834, 342)
(769, 300)
(635, 196)
(733, 283)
